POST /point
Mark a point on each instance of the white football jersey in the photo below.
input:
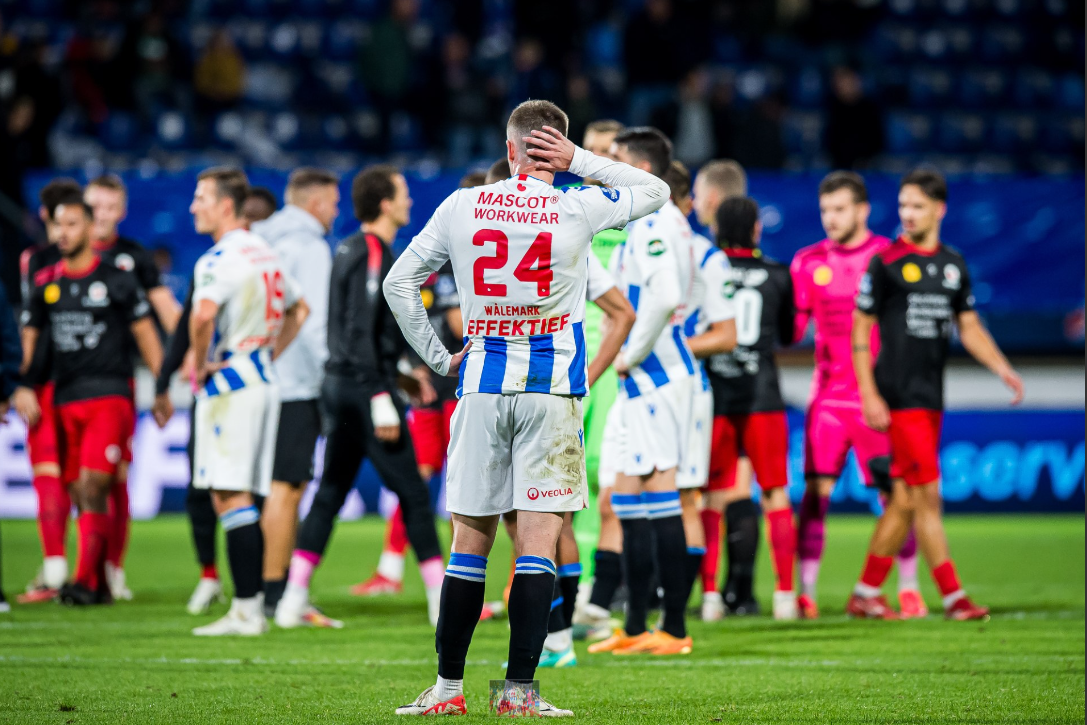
(519, 250)
(600, 279)
(243, 276)
(712, 294)
(660, 243)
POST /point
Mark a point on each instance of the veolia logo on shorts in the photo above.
(535, 493)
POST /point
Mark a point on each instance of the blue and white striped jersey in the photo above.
(659, 244)
(712, 294)
(243, 276)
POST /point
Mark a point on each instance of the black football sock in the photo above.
(556, 620)
(695, 555)
(569, 577)
(742, 523)
(202, 518)
(273, 592)
(637, 558)
(607, 574)
(244, 550)
(664, 512)
(463, 590)
(531, 596)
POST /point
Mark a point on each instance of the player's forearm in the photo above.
(800, 325)
(862, 355)
(147, 341)
(648, 193)
(719, 338)
(615, 332)
(401, 288)
(201, 330)
(654, 313)
(166, 308)
(980, 344)
(292, 324)
(30, 341)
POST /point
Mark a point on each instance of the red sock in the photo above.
(209, 571)
(783, 545)
(396, 534)
(711, 527)
(54, 508)
(94, 531)
(119, 524)
(876, 569)
(947, 580)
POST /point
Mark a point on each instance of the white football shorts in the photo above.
(236, 439)
(694, 464)
(523, 451)
(611, 445)
(656, 423)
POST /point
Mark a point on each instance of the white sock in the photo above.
(863, 590)
(54, 571)
(433, 604)
(249, 607)
(953, 597)
(391, 566)
(448, 689)
(559, 641)
(905, 583)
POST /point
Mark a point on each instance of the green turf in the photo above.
(137, 663)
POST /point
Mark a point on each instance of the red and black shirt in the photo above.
(916, 296)
(746, 379)
(85, 318)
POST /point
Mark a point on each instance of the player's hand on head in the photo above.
(876, 413)
(550, 150)
(456, 360)
(1015, 384)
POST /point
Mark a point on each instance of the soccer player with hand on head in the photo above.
(917, 291)
(518, 250)
(825, 279)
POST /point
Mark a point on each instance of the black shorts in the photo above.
(299, 426)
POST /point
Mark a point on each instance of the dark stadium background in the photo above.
(989, 91)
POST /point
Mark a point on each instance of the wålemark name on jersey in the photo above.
(492, 207)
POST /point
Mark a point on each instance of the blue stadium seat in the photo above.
(121, 132)
(1034, 88)
(335, 132)
(342, 40)
(228, 129)
(727, 49)
(907, 132)
(311, 35)
(1001, 43)
(806, 87)
(934, 44)
(218, 9)
(961, 132)
(251, 37)
(41, 9)
(1070, 92)
(982, 88)
(173, 130)
(284, 41)
(929, 86)
(1061, 134)
(603, 46)
(363, 9)
(962, 41)
(955, 8)
(803, 132)
(1009, 8)
(1013, 133)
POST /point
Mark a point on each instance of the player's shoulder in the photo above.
(813, 253)
(46, 256)
(895, 252)
(952, 254)
(114, 275)
(130, 245)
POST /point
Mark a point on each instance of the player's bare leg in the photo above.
(245, 553)
(891, 530)
(279, 525)
(932, 540)
(558, 648)
(690, 502)
(91, 492)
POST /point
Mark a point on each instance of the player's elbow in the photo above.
(727, 331)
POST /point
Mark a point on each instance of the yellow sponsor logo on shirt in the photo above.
(822, 276)
(52, 294)
(911, 272)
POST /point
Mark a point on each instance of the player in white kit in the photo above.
(518, 249)
(245, 312)
(656, 268)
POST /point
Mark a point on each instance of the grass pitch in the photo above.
(137, 663)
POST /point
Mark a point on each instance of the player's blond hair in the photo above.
(725, 175)
(303, 180)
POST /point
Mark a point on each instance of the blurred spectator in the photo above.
(854, 131)
(658, 49)
(690, 121)
(393, 66)
(467, 108)
(89, 61)
(758, 143)
(164, 261)
(219, 77)
(580, 105)
(260, 204)
(531, 78)
(154, 66)
(27, 115)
